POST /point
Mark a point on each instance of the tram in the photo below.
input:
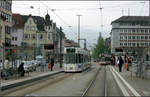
(76, 59)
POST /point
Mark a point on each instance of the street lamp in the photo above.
(79, 29)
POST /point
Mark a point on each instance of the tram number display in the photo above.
(70, 50)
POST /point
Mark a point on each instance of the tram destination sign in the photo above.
(70, 50)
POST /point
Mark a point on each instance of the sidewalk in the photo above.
(142, 86)
(16, 81)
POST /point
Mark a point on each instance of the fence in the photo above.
(141, 69)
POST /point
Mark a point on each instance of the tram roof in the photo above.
(79, 50)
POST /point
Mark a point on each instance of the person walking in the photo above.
(120, 62)
(129, 63)
(6, 70)
(21, 69)
(52, 64)
(49, 65)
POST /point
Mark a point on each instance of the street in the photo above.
(105, 83)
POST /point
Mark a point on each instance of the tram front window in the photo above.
(70, 58)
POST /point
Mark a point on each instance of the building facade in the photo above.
(5, 27)
(17, 31)
(130, 34)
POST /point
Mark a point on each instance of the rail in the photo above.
(92, 81)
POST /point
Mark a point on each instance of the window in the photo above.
(125, 44)
(129, 37)
(133, 30)
(142, 44)
(7, 29)
(133, 44)
(41, 36)
(146, 44)
(49, 36)
(129, 30)
(32, 28)
(146, 32)
(12, 38)
(126, 37)
(125, 30)
(129, 44)
(142, 37)
(121, 44)
(15, 38)
(121, 37)
(133, 37)
(146, 37)
(142, 31)
(33, 36)
(138, 37)
(26, 36)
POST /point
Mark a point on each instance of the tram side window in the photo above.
(77, 58)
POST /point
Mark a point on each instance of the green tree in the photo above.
(100, 47)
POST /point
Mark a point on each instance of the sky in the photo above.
(64, 13)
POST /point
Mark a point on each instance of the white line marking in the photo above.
(127, 84)
(125, 93)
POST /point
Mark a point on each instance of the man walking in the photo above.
(52, 64)
(120, 63)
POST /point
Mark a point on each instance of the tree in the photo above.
(100, 47)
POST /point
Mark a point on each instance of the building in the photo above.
(5, 27)
(17, 30)
(70, 43)
(38, 34)
(108, 42)
(130, 34)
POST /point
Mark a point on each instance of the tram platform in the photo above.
(141, 85)
(33, 76)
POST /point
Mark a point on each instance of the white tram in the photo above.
(76, 59)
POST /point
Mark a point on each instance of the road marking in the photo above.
(125, 93)
(127, 84)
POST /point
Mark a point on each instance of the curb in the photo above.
(26, 81)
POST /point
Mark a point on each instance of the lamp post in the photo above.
(60, 55)
(79, 29)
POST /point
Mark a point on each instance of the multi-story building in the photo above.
(39, 32)
(5, 27)
(17, 30)
(130, 34)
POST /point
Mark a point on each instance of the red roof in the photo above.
(17, 20)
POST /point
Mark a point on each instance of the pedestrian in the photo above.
(52, 64)
(129, 63)
(120, 62)
(49, 65)
(1, 67)
(5, 70)
(21, 69)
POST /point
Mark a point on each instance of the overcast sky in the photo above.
(64, 14)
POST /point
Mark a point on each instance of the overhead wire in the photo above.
(53, 10)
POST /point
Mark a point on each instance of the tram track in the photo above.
(85, 93)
